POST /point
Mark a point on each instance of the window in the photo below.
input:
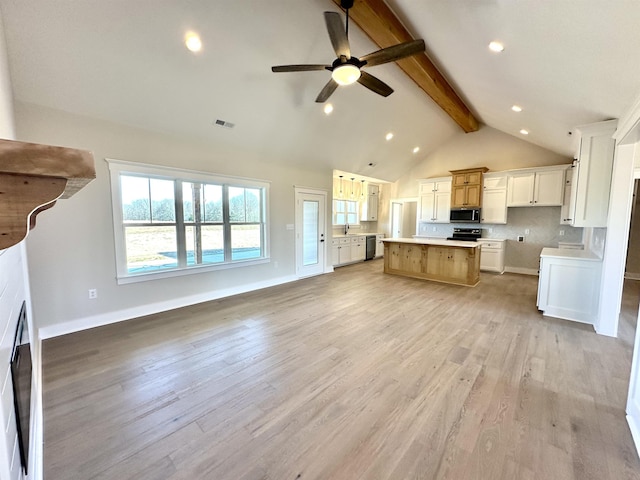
(172, 222)
(345, 212)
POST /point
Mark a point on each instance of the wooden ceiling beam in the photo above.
(382, 26)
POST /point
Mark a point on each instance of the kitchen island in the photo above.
(447, 261)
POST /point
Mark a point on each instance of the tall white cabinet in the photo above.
(591, 184)
(435, 200)
(494, 198)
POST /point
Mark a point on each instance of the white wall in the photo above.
(72, 247)
(13, 291)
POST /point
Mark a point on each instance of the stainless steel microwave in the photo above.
(465, 215)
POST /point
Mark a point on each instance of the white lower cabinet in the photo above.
(569, 284)
(358, 248)
(492, 255)
(379, 246)
(349, 249)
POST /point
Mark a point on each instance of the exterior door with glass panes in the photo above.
(310, 232)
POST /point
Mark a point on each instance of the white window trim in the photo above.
(118, 167)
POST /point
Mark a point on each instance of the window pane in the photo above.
(135, 199)
(253, 204)
(236, 205)
(352, 218)
(310, 234)
(187, 201)
(212, 244)
(213, 203)
(352, 207)
(150, 248)
(245, 242)
(341, 219)
(163, 207)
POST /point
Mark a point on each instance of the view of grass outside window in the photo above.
(171, 224)
(345, 212)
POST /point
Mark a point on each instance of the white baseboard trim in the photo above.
(149, 309)
(632, 276)
(635, 432)
(522, 271)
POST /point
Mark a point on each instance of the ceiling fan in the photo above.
(346, 69)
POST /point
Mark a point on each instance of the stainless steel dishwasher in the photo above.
(371, 247)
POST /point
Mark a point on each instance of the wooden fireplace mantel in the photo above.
(32, 178)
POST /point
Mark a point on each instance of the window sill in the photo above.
(179, 272)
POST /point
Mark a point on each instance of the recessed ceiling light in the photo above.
(193, 42)
(516, 108)
(524, 132)
(389, 136)
(416, 149)
(328, 108)
(496, 46)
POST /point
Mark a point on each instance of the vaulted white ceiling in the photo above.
(566, 62)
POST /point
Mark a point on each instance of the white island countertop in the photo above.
(569, 253)
(433, 241)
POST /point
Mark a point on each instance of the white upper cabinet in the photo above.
(591, 183)
(435, 200)
(566, 213)
(494, 198)
(540, 187)
(369, 211)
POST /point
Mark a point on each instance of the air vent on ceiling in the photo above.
(222, 123)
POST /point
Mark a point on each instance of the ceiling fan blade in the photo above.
(374, 84)
(326, 92)
(337, 34)
(391, 54)
(299, 68)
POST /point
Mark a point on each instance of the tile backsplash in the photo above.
(543, 224)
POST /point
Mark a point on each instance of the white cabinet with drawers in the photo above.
(348, 249)
(492, 255)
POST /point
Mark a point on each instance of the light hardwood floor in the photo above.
(347, 376)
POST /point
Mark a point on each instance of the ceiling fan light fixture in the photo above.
(192, 42)
(345, 74)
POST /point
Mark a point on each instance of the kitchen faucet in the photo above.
(346, 228)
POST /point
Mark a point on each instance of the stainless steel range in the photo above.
(466, 234)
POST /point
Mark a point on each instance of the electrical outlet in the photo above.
(526, 231)
(93, 293)
(562, 233)
(435, 229)
(490, 230)
(520, 238)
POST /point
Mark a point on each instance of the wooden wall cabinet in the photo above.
(466, 188)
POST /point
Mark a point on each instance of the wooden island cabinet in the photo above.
(445, 261)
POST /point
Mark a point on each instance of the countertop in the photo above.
(569, 254)
(482, 239)
(349, 235)
(433, 241)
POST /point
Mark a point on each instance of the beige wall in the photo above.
(497, 151)
(72, 248)
(14, 290)
(487, 147)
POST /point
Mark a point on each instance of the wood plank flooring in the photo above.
(355, 375)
